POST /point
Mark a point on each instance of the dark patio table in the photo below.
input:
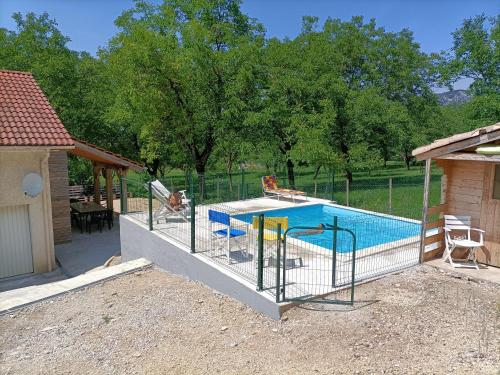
(85, 209)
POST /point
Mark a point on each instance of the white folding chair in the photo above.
(453, 224)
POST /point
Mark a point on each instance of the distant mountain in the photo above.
(453, 97)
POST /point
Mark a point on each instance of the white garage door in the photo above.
(15, 241)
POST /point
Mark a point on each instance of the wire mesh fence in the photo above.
(399, 195)
(200, 213)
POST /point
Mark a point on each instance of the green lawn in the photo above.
(368, 190)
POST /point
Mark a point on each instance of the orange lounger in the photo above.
(270, 188)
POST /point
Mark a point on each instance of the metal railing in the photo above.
(274, 258)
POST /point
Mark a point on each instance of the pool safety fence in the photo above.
(300, 263)
(396, 195)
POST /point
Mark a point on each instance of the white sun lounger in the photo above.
(161, 193)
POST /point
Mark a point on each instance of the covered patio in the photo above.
(106, 166)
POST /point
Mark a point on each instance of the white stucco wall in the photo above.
(14, 165)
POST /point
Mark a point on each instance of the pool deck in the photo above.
(484, 273)
(313, 277)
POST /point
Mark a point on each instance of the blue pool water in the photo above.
(370, 229)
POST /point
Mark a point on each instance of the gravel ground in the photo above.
(418, 321)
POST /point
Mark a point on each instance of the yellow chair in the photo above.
(271, 223)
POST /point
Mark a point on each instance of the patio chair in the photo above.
(270, 234)
(461, 224)
(271, 224)
(166, 210)
(270, 188)
(225, 233)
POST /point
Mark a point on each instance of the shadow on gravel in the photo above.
(329, 305)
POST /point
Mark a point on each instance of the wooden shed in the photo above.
(470, 185)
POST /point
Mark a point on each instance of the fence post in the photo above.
(192, 215)
(390, 195)
(193, 224)
(190, 182)
(333, 184)
(353, 269)
(334, 250)
(239, 191)
(347, 192)
(260, 253)
(201, 183)
(283, 289)
(278, 262)
(150, 205)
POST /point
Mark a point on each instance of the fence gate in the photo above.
(313, 268)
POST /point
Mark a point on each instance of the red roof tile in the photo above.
(26, 117)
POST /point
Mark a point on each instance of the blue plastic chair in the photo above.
(227, 233)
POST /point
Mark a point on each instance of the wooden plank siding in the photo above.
(58, 172)
(469, 192)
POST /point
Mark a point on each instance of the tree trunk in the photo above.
(316, 172)
(408, 158)
(230, 173)
(200, 171)
(345, 150)
(291, 176)
(153, 167)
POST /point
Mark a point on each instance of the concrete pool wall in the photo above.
(167, 246)
(138, 242)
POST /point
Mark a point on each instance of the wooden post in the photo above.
(390, 195)
(124, 193)
(423, 230)
(108, 172)
(97, 186)
(444, 187)
(347, 192)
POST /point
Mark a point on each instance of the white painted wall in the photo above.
(14, 165)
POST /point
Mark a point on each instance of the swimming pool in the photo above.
(371, 229)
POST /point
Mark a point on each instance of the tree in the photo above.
(184, 71)
(364, 158)
(75, 83)
(377, 83)
(475, 54)
(285, 101)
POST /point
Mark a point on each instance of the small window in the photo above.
(496, 183)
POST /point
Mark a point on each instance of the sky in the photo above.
(90, 23)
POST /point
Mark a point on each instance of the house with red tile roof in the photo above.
(34, 191)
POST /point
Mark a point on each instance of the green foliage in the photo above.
(364, 158)
(185, 73)
(195, 84)
(475, 54)
(80, 171)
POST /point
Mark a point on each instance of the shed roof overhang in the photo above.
(470, 156)
(103, 157)
(458, 142)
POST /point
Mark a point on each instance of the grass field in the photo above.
(368, 190)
